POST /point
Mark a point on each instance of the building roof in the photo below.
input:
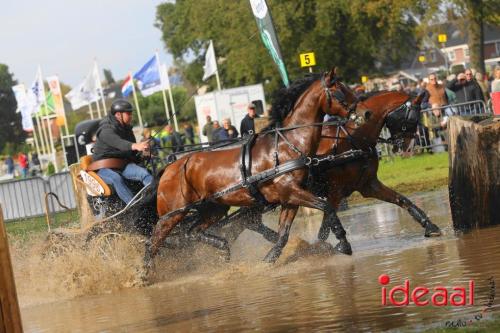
(459, 35)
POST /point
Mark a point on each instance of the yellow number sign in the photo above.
(364, 79)
(421, 58)
(442, 38)
(307, 59)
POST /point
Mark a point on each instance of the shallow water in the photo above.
(197, 291)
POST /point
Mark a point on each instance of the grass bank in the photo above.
(426, 172)
(24, 227)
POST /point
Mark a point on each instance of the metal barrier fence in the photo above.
(26, 197)
(432, 132)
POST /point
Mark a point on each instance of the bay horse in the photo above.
(338, 180)
(401, 118)
(197, 177)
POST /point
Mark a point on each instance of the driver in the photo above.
(115, 151)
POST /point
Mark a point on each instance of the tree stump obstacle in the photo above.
(474, 176)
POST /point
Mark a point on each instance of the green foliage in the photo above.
(457, 69)
(108, 76)
(351, 35)
(10, 126)
(50, 169)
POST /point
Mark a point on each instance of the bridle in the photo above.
(402, 125)
(338, 96)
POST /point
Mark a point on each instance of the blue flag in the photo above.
(148, 77)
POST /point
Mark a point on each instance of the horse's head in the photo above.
(402, 124)
(338, 99)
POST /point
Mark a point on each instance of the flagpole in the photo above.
(63, 108)
(37, 147)
(162, 90)
(49, 128)
(216, 68)
(96, 68)
(43, 130)
(98, 109)
(40, 135)
(91, 112)
(172, 106)
(135, 99)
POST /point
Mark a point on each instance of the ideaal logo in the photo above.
(422, 296)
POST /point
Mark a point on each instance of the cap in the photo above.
(251, 106)
(121, 105)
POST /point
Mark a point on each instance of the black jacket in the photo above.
(467, 92)
(247, 125)
(114, 140)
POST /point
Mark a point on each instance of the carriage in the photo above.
(282, 157)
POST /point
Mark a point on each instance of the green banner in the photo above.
(268, 35)
(50, 106)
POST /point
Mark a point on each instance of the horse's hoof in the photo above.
(432, 230)
(323, 233)
(271, 257)
(343, 247)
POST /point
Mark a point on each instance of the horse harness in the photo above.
(252, 182)
(403, 124)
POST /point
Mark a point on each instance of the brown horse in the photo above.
(197, 177)
(387, 108)
(336, 180)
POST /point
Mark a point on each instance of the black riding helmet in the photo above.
(121, 105)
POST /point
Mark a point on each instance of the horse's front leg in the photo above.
(286, 219)
(300, 197)
(160, 232)
(330, 217)
(375, 189)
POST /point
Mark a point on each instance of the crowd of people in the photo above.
(21, 166)
(214, 132)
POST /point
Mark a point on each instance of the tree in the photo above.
(10, 126)
(471, 16)
(108, 76)
(351, 35)
(153, 107)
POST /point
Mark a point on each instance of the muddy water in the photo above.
(303, 291)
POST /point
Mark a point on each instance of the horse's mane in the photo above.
(284, 99)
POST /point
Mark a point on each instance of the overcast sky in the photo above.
(64, 37)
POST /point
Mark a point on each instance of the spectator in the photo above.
(36, 168)
(154, 143)
(9, 162)
(436, 92)
(173, 139)
(231, 131)
(218, 133)
(22, 160)
(247, 125)
(208, 128)
(495, 91)
(189, 133)
(483, 84)
(466, 88)
(495, 84)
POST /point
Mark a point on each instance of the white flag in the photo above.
(97, 80)
(210, 67)
(36, 95)
(86, 92)
(23, 106)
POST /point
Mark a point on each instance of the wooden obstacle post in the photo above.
(10, 317)
(474, 177)
(84, 210)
